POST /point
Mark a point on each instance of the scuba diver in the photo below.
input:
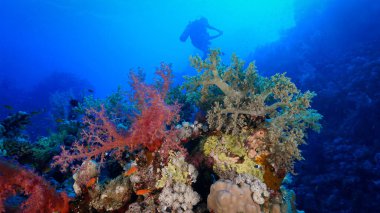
(200, 38)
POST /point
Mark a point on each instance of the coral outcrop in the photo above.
(256, 126)
(250, 138)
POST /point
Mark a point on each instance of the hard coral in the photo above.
(176, 178)
(178, 197)
(227, 197)
(258, 188)
(41, 197)
(112, 196)
(89, 170)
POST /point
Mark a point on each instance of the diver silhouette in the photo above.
(200, 38)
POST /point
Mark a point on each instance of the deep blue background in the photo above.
(328, 46)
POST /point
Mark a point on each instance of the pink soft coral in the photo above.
(41, 197)
(149, 129)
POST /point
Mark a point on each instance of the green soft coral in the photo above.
(239, 102)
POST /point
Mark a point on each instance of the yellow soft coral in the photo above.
(230, 156)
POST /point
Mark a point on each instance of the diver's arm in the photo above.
(217, 30)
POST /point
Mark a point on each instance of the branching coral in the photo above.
(41, 197)
(245, 102)
(149, 129)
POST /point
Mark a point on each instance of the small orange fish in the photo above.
(143, 191)
(47, 169)
(149, 157)
(132, 170)
(91, 182)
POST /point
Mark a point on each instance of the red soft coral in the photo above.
(41, 197)
(149, 129)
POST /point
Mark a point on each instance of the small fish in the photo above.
(143, 191)
(35, 112)
(74, 103)
(47, 169)
(59, 120)
(91, 182)
(149, 157)
(90, 90)
(8, 107)
(132, 170)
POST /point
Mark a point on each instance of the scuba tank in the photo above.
(185, 34)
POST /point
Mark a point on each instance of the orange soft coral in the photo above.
(41, 197)
(272, 178)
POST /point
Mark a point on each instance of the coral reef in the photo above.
(256, 126)
(134, 155)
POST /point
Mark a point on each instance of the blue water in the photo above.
(330, 47)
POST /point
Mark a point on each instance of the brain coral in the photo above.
(227, 197)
